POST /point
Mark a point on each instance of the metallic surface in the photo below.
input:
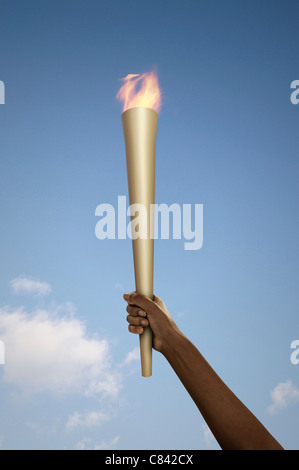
(140, 130)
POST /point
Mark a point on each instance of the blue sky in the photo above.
(227, 139)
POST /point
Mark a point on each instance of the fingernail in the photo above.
(144, 322)
(142, 313)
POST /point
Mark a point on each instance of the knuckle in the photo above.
(142, 298)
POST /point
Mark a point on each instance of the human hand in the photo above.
(145, 312)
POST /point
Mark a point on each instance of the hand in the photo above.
(145, 312)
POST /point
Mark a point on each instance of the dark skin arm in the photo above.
(232, 424)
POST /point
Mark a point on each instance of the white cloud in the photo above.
(119, 286)
(86, 420)
(283, 395)
(107, 445)
(132, 356)
(24, 285)
(85, 444)
(82, 445)
(47, 351)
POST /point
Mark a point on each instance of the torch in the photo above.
(140, 121)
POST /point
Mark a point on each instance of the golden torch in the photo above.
(140, 121)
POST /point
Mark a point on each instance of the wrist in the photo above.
(171, 343)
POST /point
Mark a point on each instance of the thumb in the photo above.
(148, 305)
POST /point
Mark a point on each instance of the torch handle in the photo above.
(143, 267)
(145, 341)
(143, 252)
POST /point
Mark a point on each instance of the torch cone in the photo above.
(140, 130)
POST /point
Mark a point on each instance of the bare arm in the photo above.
(232, 424)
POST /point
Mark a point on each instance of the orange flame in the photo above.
(147, 95)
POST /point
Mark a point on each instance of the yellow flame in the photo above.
(148, 93)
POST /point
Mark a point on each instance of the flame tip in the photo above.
(148, 95)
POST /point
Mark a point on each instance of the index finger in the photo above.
(142, 301)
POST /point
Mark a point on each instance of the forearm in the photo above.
(232, 424)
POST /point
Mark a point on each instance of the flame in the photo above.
(148, 93)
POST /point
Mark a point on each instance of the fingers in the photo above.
(136, 329)
(138, 307)
(134, 299)
(137, 321)
(135, 311)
